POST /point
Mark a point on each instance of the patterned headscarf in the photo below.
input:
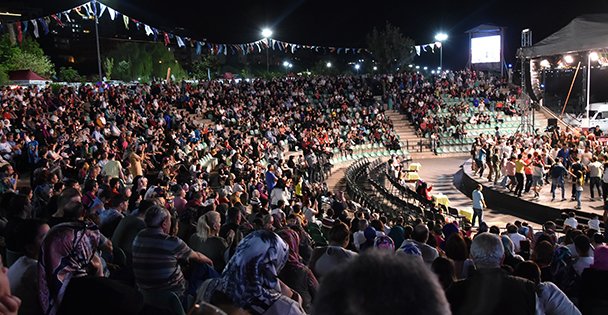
(384, 242)
(251, 277)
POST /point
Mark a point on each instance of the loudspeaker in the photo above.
(552, 122)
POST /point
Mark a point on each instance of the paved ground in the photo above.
(588, 205)
(440, 174)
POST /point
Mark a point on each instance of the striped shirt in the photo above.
(155, 257)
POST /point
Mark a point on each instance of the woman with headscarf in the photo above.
(511, 258)
(250, 281)
(295, 274)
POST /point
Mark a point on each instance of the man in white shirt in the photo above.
(359, 236)
(595, 174)
(515, 237)
(571, 220)
(478, 204)
(583, 249)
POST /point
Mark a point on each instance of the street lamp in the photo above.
(357, 67)
(440, 38)
(593, 56)
(266, 33)
(328, 65)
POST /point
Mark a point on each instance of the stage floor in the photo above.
(440, 174)
(588, 206)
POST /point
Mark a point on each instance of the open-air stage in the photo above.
(527, 208)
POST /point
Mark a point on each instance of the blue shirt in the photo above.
(477, 199)
(270, 180)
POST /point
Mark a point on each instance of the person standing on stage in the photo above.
(479, 204)
(596, 170)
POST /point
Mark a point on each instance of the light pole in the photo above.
(441, 37)
(592, 56)
(97, 42)
(266, 33)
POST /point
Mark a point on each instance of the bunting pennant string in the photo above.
(35, 25)
(102, 9)
(97, 9)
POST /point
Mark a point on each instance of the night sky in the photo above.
(345, 23)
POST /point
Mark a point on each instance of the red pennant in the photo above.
(166, 36)
(57, 19)
(19, 32)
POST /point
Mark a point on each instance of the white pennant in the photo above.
(102, 8)
(418, 50)
(35, 24)
(112, 13)
(67, 15)
(148, 30)
(180, 42)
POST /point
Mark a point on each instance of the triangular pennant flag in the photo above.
(424, 47)
(148, 30)
(57, 19)
(293, 49)
(102, 8)
(340, 50)
(67, 16)
(417, 50)
(199, 48)
(155, 33)
(44, 24)
(87, 8)
(432, 46)
(225, 50)
(166, 37)
(180, 42)
(19, 33)
(437, 45)
(125, 19)
(25, 25)
(79, 11)
(112, 13)
(93, 7)
(35, 25)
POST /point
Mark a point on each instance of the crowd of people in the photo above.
(118, 214)
(525, 163)
(450, 102)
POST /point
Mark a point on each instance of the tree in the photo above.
(108, 65)
(27, 56)
(199, 67)
(390, 48)
(69, 74)
(136, 61)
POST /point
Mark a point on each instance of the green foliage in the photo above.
(69, 74)
(321, 67)
(108, 66)
(27, 56)
(390, 48)
(145, 62)
(199, 67)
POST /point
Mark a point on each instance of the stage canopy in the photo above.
(584, 33)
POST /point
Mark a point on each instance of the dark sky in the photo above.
(345, 23)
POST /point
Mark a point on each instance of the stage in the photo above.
(527, 207)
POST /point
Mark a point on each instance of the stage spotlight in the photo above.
(545, 64)
(568, 59)
(593, 56)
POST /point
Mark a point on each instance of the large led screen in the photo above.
(485, 49)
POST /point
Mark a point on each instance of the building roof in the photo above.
(24, 75)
